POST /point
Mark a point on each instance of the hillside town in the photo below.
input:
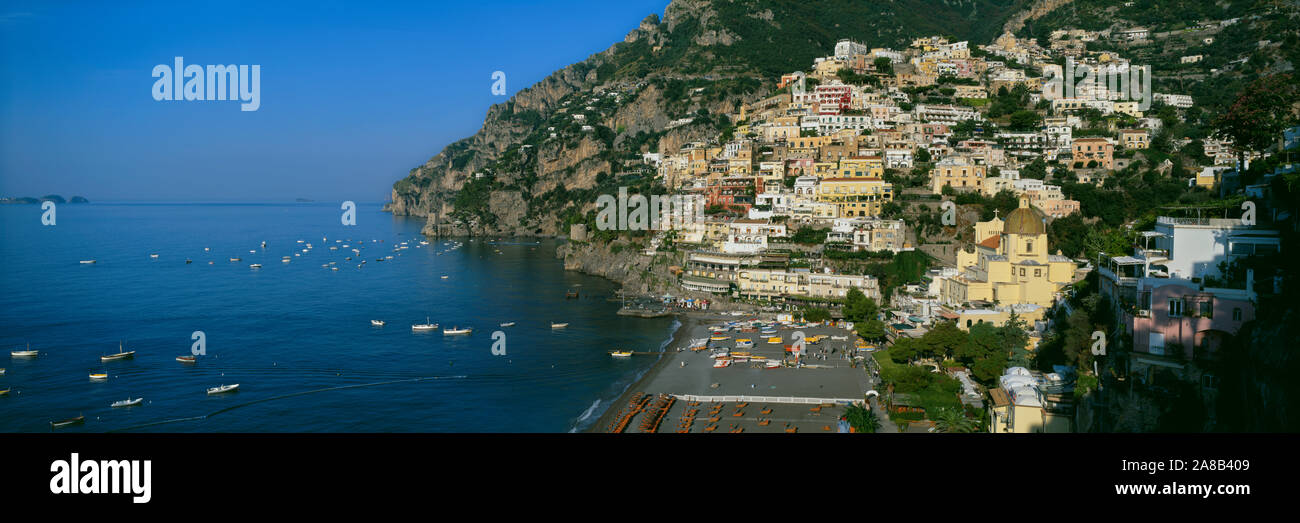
(859, 156)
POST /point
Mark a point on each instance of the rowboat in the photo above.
(186, 359)
(426, 326)
(508, 324)
(128, 402)
(377, 323)
(87, 262)
(99, 376)
(744, 343)
(234, 259)
(154, 256)
(223, 389)
(255, 266)
(70, 421)
(774, 340)
(720, 363)
(120, 354)
(719, 338)
(559, 325)
(621, 353)
(456, 330)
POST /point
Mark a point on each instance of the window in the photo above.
(1207, 308)
(1236, 314)
(1209, 381)
(1029, 246)
(1175, 308)
(1022, 271)
(1038, 273)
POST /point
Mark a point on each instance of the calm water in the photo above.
(293, 334)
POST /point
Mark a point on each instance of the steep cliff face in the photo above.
(544, 155)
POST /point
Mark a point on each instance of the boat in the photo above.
(719, 338)
(154, 256)
(120, 354)
(99, 376)
(4, 392)
(559, 325)
(234, 259)
(255, 266)
(188, 261)
(2, 371)
(87, 262)
(70, 421)
(187, 359)
(128, 402)
(426, 326)
(29, 353)
(377, 323)
(571, 294)
(621, 353)
(444, 276)
(456, 330)
(744, 343)
(223, 389)
(508, 324)
(774, 340)
(720, 363)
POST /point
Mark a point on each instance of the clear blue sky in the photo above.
(353, 94)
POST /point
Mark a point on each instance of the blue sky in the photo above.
(353, 94)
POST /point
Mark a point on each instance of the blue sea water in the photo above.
(296, 336)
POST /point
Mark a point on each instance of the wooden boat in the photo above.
(99, 376)
(29, 353)
(456, 330)
(744, 343)
(426, 326)
(128, 402)
(377, 323)
(4, 392)
(120, 354)
(774, 340)
(621, 353)
(719, 338)
(234, 259)
(70, 421)
(223, 389)
(559, 325)
(187, 359)
(508, 324)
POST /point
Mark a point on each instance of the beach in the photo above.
(757, 399)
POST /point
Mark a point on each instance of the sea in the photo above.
(297, 336)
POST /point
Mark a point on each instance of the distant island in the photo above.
(47, 198)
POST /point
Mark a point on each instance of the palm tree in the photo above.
(862, 419)
(954, 420)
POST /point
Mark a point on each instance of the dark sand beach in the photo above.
(807, 399)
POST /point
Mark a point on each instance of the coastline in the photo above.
(689, 322)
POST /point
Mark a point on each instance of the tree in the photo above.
(954, 421)
(944, 339)
(816, 315)
(862, 419)
(884, 65)
(923, 155)
(1260, 113)
(1024, 120)
(858, 307)
(871, 329)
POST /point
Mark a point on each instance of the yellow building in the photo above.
(958, 172)
(855, 197)
(1011, 266)
(861, 167)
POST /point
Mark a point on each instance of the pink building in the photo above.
(1179, 314)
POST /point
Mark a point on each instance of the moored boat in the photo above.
(559, 325)
(223, 389)
(508, 324)
(99, 376)
(426, 326)
(87, 262)
(70, 421)
(121, 354)
(377, 323)
(187, 358)
(621, 353)
(29, 353)
(127, 402)
(457, 330)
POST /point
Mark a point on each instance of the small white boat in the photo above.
(154, 256)
(426, 326)
(377, 323)
(255, 266)
(128, 402)
(234, 259)
(87, 262)
(29, 353)
(122, 354)
(456, 330)
(559, 325)
(2, 371)
(444, 276)
(621, 353)
(508, 324)
(223, 389)
(99, 376)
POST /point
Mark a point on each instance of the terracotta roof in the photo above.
(992, 242)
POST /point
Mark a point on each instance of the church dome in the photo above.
(1025, 220)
